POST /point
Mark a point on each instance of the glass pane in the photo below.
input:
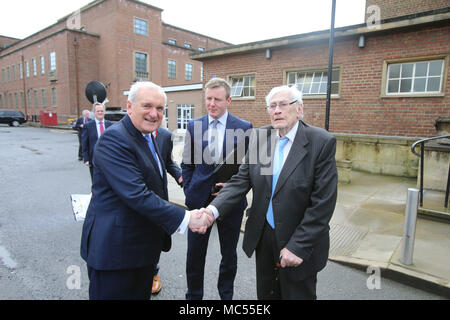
(334, 88)
(323, 88)
(407, 70)
(419, 85)
(394, 71)
(300, 78)
(252, 92)
(246, 92)
(435, 68)
(405, 85)
(393, 86)
(421, 69)
(291, 78)
(315, 87)
(307, 85)
(334, 75)
(246, 81)
(433, 84)
(317, 76)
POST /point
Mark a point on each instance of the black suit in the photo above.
(79, 127)
(303, 203)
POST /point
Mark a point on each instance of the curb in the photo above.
(400, 274)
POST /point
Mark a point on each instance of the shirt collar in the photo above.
(222, 119)
(292, 133)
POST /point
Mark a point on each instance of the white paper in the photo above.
(80, 204)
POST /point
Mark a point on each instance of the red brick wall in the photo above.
(398, 8)
(360, 107)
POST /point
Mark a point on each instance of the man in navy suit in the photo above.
(129, 220)
(79, 127)
(91, 132)
(209, 137)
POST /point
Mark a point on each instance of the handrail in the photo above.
(421, 155)
(426, 140)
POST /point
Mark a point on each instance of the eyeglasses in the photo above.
(283, 105)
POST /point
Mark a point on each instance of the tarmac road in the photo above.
(39, 239)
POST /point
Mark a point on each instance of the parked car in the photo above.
(114, 113)
(13, 118)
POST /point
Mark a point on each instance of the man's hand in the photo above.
(200, 221)
(87, 164)
(219, 186)
(288, 259)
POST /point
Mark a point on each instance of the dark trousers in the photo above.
(80, 155)
(272, 282)
(129, 284)
(229, 230)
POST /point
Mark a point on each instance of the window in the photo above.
(52, 61)
(44, 97)
(54, 97)
(314, 82)
(3, 75)
(188, 71)
(140, 26)
(16, 99)
(184, 115)
(22, 99)
(243, 86)
(9, 74)
(414, 77)
(140, 65)
(20, 71)
(27, 69)
(14, 72)
(201, 49)
(172, 69)
(33, 61)
(42, 65)
(187, 45)
(36, 98)
(172, 41)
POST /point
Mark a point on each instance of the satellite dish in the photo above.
(95, 92)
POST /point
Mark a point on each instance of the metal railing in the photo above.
(421, 156)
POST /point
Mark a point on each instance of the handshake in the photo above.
(201, 220)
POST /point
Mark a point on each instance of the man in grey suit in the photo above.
(294, 196)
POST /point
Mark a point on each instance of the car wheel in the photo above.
(15, 123)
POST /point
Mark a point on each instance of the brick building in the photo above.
(112, 41)
(389, 78)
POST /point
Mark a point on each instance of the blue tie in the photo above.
(152, 149)
(277, 165)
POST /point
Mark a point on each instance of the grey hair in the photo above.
(132, 94)
(295, 93)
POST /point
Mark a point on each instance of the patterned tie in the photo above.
(277, 165)
(213, 144)
(153, 151)
(101, 127)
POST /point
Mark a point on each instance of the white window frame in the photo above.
(313, 83)
(188, 71)
(184, 114)
(413, 78)
(42, 65)
(172, 69)
(139, 25)
(240, 84)
(52, 61)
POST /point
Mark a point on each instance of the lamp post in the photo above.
(330, 67)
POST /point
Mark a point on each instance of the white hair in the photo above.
(296, 95)
(132, 95)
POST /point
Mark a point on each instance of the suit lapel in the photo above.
(296, 155)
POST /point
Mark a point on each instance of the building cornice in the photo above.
(354, 30)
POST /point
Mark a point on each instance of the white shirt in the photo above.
(291, 136)
(221, 125)
(97, 124)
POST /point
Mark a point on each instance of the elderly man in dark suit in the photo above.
(81, 121)
(129, 220)
(91, 132)
(209, 137)
(294, 196)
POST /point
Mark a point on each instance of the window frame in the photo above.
(140, 32)
(135, 71)
(241, 88)
(313, 71)
(414, 60)
(173, 74)
(188, 74)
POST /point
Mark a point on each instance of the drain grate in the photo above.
(345, 239)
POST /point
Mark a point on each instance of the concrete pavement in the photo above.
(367, 227)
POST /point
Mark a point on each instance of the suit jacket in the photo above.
(304, 198)
(89, 137)
(198, 178)
(165, 146)
(79, 123)
(128, 219)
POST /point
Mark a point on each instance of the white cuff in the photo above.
(214, 210)
(184, 224)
